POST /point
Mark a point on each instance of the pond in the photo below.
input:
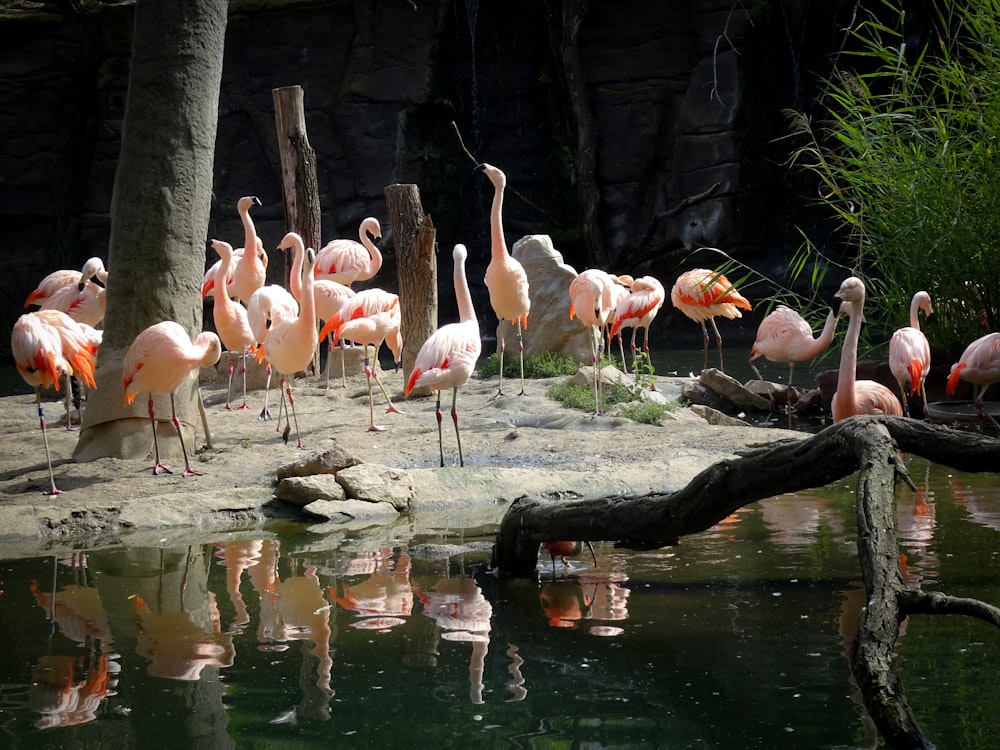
(279, 637)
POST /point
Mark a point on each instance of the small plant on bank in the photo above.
(582, 397)
(545, 365)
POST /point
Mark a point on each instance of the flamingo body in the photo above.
(855, 396)
(448, 357)
(53, 282)
(159, 359)
(910, 353)
(979, 365)
(785, 336)
(250, 269)
(702, 295)
(231, 320)
(346, 261)
(506, 280)
(590, 300)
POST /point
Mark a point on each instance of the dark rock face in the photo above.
(673, 101)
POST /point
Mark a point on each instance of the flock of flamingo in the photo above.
(280, 328)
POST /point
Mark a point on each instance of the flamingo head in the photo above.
(852, 290)
(495, 175)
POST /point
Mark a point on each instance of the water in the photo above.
(285, 638)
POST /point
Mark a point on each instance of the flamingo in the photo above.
(785, 336)
(329, 296)
(158, 361)
(701, 295)
(346, 261)
(637, 310)
(290, 345)
(369, 318)
(47, 345)
(506, 279)
(50, 284)
(910, 353)
(250, 271)
(591, 302)
(266, 307)
(979, 365)
(620, 288)
(858, 396)
(231, 321)
(562, 550)
(449, 356)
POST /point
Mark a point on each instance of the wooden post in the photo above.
(416, 267)
(298, 174)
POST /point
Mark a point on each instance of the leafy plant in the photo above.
(906, 162)
(545, 365)
(632, 407)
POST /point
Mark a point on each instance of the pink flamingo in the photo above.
(620, 288)
(161, 358)
(637, 311)
(591, 302)
(346, 261)
(979, 365)
(858, 396)
(562, 550)
(449, 356)
(47, 345)
(368, 318)
(267, 307)
(910, 353)
(702, 295)
(785, 336)
(250, 271)
(330, 296)
(231, 321)
(506, 279)
(53, 282)
(290, 345)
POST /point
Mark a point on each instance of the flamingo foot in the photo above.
(392, 409)
(189, 472)
(227, 407)
(375, 428)
(498, 394)
(265, 414)
(243, 407)
(53, 491)
(161, 468)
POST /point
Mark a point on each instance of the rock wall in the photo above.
(683, 99)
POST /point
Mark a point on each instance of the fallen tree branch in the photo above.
(869, 446)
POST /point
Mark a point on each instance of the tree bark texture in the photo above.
(416, 264)
(871, 447)
(159, 211)
(299, 184)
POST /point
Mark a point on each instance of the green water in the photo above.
(284, 638)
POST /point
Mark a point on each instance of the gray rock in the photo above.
(732, 390)
(329, 461)
(300, 491)
(376, 483)
(342, 511)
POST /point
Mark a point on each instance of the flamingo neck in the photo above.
(826, 335)
(221, 275)
(307, 305)
(466, 312)
(295, 277)
(847, 376)
(373, 252)
(915, 312)
(498, 245)
(249, 232)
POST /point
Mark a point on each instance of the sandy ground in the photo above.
(513, 446)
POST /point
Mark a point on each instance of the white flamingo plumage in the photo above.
(979, 365)
(231, 321)
(267, 307)
(590, 300)
(50, 284)
(448, 357)
(910, 353)
(46, 346)
(346, 261)
(250, 270)
(159, 359)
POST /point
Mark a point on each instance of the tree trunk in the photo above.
(868, 445)
(299, 184)
(159, 211)
(416, 266)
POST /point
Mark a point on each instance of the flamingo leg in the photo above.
(188, 471)
(635, 366)
(282, 407)
(343, 366)
(295, 419)
(454, 418)
(595, 355)
(437, 414)
(329, 357)
(501, 345)
(53, 491)
(718, 340)
(520, 355)
(369, 373)
(159, 467)
(704, 339)
(243, 371)
(229, 391)
(265, 413)
(649, 360)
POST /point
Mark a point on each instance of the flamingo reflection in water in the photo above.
(177, 647)
(460, 610)
(68, 690)
(237, 556)
(385, 597)
(595, 599)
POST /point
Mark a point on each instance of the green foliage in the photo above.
(545, 365)
(631, 405)
(907, 164)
